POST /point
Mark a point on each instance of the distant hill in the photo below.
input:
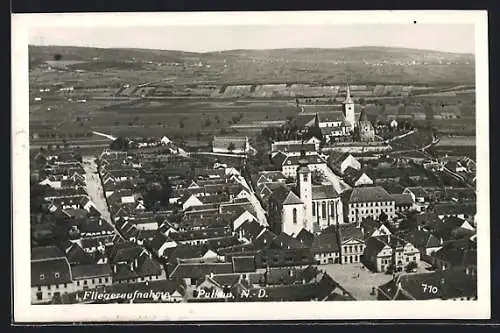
(352, 54)
(361, 64)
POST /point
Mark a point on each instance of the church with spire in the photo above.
(305, 205)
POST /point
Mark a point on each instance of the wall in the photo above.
(48, 293)
(288, 225)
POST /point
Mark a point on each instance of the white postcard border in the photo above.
(25, 312)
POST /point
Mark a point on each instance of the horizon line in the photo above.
(255, 49)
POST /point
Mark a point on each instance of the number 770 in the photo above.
(429, 288)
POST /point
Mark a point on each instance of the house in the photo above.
(385, 252)
(418, 194)
(293, 147)
(453, 227)
(192, 273)
(248, 231)
(450, 284)
(362, 202)
(159, 244)
(354, 177)
(305, 237)
(351, 242)
(290, 164)
(402, 202)
(372, 228)
(131, 263)
(425, 241)
(461, 210)
(339, 162)
(90, 276)
(325, 247)
(460, 253)
(231, 145)
(50, 274)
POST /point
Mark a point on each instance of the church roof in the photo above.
(363, 116)
(292, 199)
(348, 99)
(323, 192)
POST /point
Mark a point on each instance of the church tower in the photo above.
(349, 109)
(304, 189)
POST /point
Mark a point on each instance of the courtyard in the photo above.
(359, 280)
(356, 279)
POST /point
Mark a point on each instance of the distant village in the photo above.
(328, 208)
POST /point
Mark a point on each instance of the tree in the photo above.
(383, 217)
(120, 143)
(411, 266)
(231, 147)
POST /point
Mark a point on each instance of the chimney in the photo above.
(211, 275)
(114, 268)
(441, 241)
(290, 272)
(132, 266)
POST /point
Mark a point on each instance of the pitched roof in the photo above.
(292, 199)
(50, 271)
(421, 239)
(305, 237)
(198, 270)
(46, 252)
(451, 283)
(348, 231)
(304, 119)
(336, 158)
(418, 191)
(90, 271)
(402, 199)
(323, 192)
(455, 208)
(368, 194)
(325, 242)
(455, 252)
(374, 245)
(286, 241)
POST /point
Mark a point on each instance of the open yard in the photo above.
(359, 287)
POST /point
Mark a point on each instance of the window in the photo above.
(57, 286)
(105, 279)
(84, 282)
(56, 274)
(39, 288)
(78, 283)
(295, 216)
(314, 208)
(48, 287)
(39, 296)
(332, 209)
(42, 276)
(407, 259)
(100, 280)
(65, 285)
(323, 210)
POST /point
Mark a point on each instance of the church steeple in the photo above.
(349, 109)
(348, 99)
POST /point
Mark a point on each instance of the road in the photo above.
(259, 210)
(95, 189)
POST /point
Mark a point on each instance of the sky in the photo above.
(444, 37)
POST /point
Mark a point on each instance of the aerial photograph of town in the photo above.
(208, 164)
